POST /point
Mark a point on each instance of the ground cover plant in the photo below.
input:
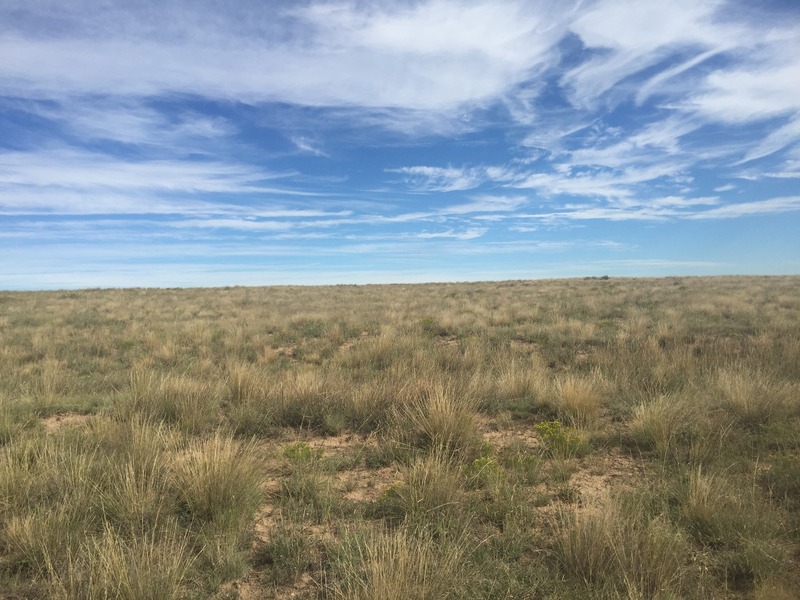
(586, 438)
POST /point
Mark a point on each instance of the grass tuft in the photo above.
(614, 552)
(431, 487)
(661, 424)
(440, 419)
(579, 398)
(396, 565)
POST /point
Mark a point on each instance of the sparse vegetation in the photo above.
(594, 438)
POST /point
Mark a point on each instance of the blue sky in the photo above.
(205, 143)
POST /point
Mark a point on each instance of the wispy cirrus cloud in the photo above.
(451, 179)
(615, 184)
(744, 209)
(131, 121)
(71, 181)
(487, 203)
(310, 146)
(752, 92)
(468, 234)
(670, 209)
(81, 169)
(423, 56)
(412, 130)
(631, 36)
(779, 138)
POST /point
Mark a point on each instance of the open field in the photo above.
(599, 438)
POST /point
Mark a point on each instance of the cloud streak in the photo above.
(410, 130)
(435, 54)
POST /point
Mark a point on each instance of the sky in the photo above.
(177, 143)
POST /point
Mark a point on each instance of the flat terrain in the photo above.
(585, 438)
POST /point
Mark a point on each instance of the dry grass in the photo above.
(662, 424)
(146, 568)
(439, 418)
(411, 441)
(397, 565)
(431, 488)
(755, 398)
(580, 398)
(617, 553)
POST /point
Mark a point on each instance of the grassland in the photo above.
(598, 438)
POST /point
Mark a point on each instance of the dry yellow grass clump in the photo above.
(597, 438)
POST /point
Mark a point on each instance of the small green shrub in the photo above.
(249, 418)
(301, 452)
(484, 472)
(560, 441)
(308, 492)
(521, 464)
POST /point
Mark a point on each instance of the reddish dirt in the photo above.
(55, 422)
(596, 474)
(500, 437)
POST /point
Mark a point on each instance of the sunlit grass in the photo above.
(555, 439)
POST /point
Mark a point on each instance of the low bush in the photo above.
(560, 441)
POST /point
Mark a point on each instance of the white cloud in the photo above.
(632, 35)
(442, 179)
(70, 181)
(469, 234)
(617, 185)
(433, 55)
(307, 145)
(486, 204)
(776, 140)
(591, 213)
(791, 170)
(76, 169)
(711, 64)
(132, 122)
(745, 209)
(669, 208)
(646, 25)
(681, 202)
(746, 94)
(657, 82)
(239, 224)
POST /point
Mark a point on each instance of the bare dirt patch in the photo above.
(600, 473)
(250, 587)
(54, 423)
(366, 485)
(357, 483)
(506, 435)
